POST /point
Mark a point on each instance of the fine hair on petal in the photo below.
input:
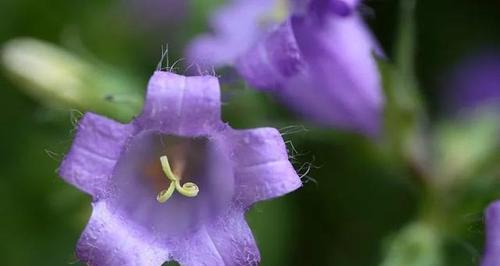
(292, 129)
(164, 56)
(74, 116)
(54, 155)
(294, 156)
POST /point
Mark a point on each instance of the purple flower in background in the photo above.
(174, 184)
(236, 27)
(475, 83)
(492, 252)
(320, 62)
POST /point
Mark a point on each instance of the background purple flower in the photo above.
(322, 65)
(475, 83)
(341, 59)
(118, 165)
(319, 61)
(492, 249)
(236, 26)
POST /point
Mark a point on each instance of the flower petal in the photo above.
(262, 169)
(272, 60)
(236, 27)
(94, 153)
(338, 7)
(340, 56)
(109, 240)
(187, 106)
(196, 249)
(232, 235)
(227, 241)
(492, 253)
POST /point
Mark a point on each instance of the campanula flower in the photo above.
(475, 83)
(319, 61)
(492, 250)
(174, 183)
(236, 26)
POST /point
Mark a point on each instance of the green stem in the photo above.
(405, 51)
(420, 242)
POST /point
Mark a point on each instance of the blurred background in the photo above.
(345, 215)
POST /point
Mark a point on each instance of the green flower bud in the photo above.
(59, 78)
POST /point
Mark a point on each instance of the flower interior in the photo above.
(155, 166)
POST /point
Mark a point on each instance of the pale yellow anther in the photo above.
(189, 189)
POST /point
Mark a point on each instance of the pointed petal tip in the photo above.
(94, 152)
(109, 240)
(262, 167)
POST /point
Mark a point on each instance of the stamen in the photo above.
(189, 189)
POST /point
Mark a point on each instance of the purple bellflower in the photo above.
(492, 252)
(319, 61)
(475, 83)
(237, 25)
(174, 184)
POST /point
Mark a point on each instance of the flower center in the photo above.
(189, 189)
(140, 175)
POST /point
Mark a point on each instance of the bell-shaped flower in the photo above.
(320, 61)
(174, 183)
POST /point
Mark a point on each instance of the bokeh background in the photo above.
(343, 216)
